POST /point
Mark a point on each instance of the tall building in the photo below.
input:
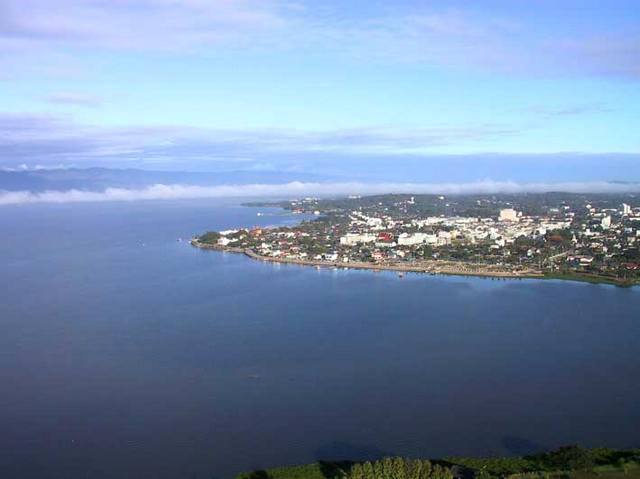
(606, 222)
(508, 214)
(626, 209)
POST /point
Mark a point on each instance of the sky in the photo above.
(443, 90)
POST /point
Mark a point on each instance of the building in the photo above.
(606, 222)
(351, 239)
(417, 238)
(444, 238)
(508, 214)
(626, 209)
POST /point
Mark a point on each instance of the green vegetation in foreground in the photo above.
(570, 462)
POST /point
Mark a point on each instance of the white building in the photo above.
(508, 214)
(555, 225)
(626, 209)
(444, 238)
(606, 222)
(406, 239)
(351, 239)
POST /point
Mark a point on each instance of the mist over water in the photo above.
(128, 353)
(298, 189)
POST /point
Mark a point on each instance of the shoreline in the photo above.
(432, 267)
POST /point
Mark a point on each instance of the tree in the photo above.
(569, 458)
(399, 468)
(211, 237)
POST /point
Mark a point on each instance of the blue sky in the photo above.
(223, 84)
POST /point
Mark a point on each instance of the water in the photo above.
(125, 353)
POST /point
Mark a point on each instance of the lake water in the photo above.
(127, 354)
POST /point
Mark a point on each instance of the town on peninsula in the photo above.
(593, 237)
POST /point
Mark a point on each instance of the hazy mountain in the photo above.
(101, 178)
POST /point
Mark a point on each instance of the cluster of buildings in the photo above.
(388, 232)
(610, 238)
(564, 236)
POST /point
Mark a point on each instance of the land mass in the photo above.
(592, 238)
(457, 268)
(569, 462)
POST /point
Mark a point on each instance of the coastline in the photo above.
(432, 267)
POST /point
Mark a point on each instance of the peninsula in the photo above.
(592, 238)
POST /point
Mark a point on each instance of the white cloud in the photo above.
(75, 99)
(26, 167)
(137, 25)
(25, 137)
(295, 189)
(498, 40)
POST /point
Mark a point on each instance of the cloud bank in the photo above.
(297, 189)
(48, 138)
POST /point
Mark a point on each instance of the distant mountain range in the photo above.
(97, 179)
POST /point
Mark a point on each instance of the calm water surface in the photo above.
(127, 354)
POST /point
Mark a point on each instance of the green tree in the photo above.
(569, 458)
(210, 237)
(399, 468)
